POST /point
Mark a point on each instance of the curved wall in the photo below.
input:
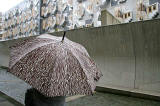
(127, 54)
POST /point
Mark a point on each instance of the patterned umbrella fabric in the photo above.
(53, 67)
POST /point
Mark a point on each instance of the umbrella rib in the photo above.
(82, 68)
(87, 79)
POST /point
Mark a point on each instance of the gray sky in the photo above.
(7, 4)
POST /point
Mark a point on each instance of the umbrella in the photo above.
(54, 67)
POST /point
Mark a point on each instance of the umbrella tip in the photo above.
(63, 36)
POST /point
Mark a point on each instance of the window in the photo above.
(129, 14)
(150, 9)
(154, 7)
(125, 15)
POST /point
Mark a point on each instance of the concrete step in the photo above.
(129, 92)
(107, 99)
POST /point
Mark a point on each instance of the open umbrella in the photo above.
(53, 66)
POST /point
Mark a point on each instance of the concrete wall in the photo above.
(127, 54)
(4, 54)
(4, 51)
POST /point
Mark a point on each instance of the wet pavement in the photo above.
(7, 101)
(15, 88)
(99, 99)
(12, 86)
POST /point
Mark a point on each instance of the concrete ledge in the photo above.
(130, 92)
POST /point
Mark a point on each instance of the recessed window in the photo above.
(154, 7)
(150, 9)
(141, 18)
(125, 15)
(129, 14)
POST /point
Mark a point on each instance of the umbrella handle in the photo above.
(64, 36)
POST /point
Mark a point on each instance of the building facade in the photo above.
(1, 24)
(33, 17)
(133, 10)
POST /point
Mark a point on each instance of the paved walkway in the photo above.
(99, 99)
(7, 101)
(12, 86)
(15, 88)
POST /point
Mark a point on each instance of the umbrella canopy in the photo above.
(53, 67)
